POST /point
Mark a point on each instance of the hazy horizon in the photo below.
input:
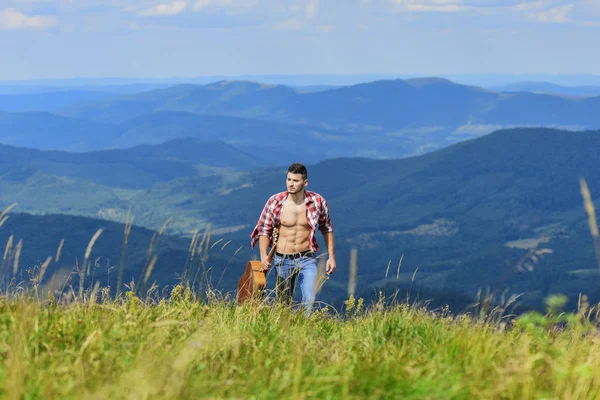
(484, 80)
(62, 39)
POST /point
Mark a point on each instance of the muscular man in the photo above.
(298, 213)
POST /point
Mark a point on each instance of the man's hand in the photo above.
(265, 264)
(330, 268)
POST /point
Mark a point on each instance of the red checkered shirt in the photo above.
(317, 215)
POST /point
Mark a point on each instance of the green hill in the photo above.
(263, 139)
(260, 138)
(503, 211)
(41, 237)
(134, 168)
(461, 215)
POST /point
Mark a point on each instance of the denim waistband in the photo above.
(306, 253)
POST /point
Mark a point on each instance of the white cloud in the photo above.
(294, 8)
(311, 8)
(229, 5)
(553, 12)
(531, 5)
(557, 15)
(288, 25)
(431, 5)
(11, 19)
(165, 9)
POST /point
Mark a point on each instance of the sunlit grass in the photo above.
(179, 347)
(86, 343)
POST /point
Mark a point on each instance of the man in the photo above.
(297, 213)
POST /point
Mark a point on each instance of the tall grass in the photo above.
(194, 343)
(179, 347)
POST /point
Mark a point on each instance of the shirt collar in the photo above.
(308, 198)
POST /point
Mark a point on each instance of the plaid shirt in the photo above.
(317, 215)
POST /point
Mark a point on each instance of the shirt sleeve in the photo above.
(325, 225)
(264, 226)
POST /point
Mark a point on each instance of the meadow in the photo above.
(180, 346)
(190, 343)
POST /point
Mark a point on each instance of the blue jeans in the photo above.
(288, 270)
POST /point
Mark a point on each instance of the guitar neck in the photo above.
(272, 252)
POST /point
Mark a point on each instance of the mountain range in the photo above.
(502, 211)
(375, 106)
(384, 119)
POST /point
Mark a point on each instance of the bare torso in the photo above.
(294, 230)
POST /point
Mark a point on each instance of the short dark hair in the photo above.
(297, 168)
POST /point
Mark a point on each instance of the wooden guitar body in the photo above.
(252, 283)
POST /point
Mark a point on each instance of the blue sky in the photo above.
(145, 38)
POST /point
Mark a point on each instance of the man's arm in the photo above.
(264, 227)
(326, 229)
(263, 246)
(330, 242)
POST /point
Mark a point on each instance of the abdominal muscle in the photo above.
(294, 231)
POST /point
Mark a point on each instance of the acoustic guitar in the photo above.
(251, 286)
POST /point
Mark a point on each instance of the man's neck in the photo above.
(297, 198)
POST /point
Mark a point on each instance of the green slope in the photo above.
(41, 238)
(462, 217)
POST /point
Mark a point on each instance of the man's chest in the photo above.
(293, 214)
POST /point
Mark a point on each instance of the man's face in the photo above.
(295, 183)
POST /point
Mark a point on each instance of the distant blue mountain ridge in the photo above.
(550, 88)
(380, 119)
(380, 105)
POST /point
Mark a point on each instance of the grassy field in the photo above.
(90, 344)
(180, 347)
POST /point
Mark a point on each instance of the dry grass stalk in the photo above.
(7, 210)
(399, 265)
(205, 239)
(216, 243)
(3, 220)
(127, 231)
(589, 207)
(205, 242)
(591, 212)
(85, 268)
(353, 271)
(89, 248)
(167, 222)
(322, 277)
(387, 270)
(43, 268)
(7, 254)
(8, 247)
(90, 245)
(59, 250)
(17, 256)
(149, 269)
(191, 254)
